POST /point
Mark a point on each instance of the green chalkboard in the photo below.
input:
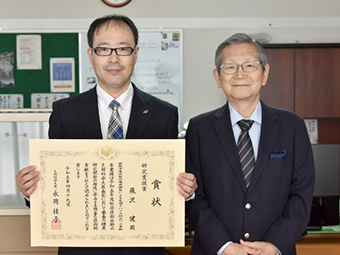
(54, 45)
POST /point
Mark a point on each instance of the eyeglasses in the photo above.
(247, 67)
(104, 51)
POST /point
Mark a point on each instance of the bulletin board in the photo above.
(53, 45)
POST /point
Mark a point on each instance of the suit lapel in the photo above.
(87, 109)
(141, 113)
(225, 134)
(269, 132)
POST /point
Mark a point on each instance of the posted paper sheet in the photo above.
(107, 193)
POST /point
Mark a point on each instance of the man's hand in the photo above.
(186, 184)
(27, 179)
(264, 248)
(238, 249)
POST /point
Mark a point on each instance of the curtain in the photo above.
(14, 155)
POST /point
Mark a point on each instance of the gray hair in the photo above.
(240, 38)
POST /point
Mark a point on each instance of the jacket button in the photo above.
(247, 206)
(247, 235)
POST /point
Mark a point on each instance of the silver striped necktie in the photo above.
(245, 150)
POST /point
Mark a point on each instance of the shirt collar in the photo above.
(124, 99)
(256, 115)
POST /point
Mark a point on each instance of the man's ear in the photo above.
(90, 54)
(136, 53)
(217, 78)
(265, 75)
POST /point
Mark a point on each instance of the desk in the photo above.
(310, 244)
(319, 244)
(178, 250)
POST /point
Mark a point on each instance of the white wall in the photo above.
(205, 24)
(170, 9)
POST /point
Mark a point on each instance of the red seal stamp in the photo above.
(56, 224)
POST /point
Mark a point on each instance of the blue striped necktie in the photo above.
(245, 150)
(115, 129)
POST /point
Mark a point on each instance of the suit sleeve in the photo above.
(54, 131)
(287, 230)
(209, 229)
(172, 130)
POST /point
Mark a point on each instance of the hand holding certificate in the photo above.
(107, 193)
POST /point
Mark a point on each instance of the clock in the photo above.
(116, 3)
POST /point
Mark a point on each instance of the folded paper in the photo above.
(282, 154)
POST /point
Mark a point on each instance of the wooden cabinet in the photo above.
(279, 90)
(306, 79)
(317, 82)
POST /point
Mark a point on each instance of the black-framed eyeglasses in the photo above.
(247, 67)
(105, 51)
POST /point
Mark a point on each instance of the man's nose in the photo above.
(113, 57)
(239, 72)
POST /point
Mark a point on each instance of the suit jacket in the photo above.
(275, 208)
(78, 118)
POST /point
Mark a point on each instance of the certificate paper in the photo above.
(29, 52)
(107, 193)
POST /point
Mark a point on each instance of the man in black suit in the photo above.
(258, 203)
(113, 42)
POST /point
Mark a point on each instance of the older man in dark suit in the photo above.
(113, 42)
(253, 163)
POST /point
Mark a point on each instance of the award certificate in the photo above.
(107, 193)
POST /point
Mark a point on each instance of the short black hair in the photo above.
(120, 19)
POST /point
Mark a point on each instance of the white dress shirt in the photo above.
(105, 112)
(254, 131)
